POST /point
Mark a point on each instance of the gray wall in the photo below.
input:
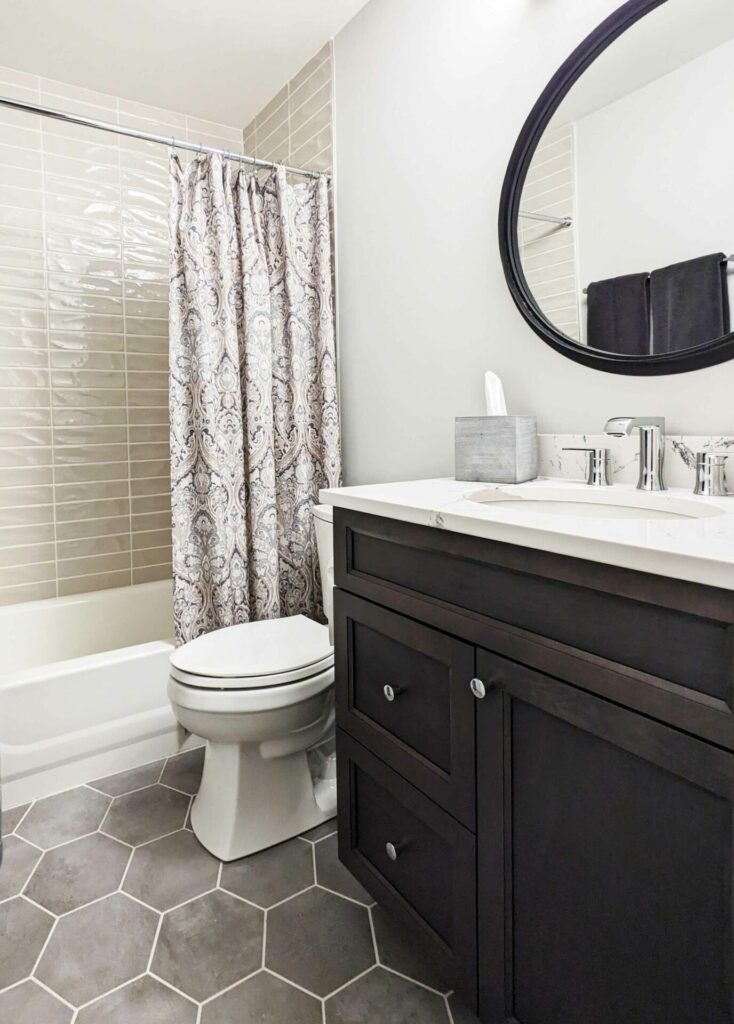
(430, 96)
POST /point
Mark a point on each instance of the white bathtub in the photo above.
(83, 688)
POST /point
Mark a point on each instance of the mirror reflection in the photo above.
(626, 225)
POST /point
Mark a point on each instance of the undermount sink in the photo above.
(589, 503)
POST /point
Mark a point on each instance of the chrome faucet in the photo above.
(652, 447)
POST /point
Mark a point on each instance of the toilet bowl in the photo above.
(261, 694)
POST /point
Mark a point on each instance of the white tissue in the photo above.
(494, 395)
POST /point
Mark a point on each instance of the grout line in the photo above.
(154, 944)
(370, 969)
(374, 935)
(413, 981)
(343, 896)
(127, 868)
(229, 988)
(49, 387)
(45, 987)
(172, 987)
(294, 984)
(52, 929)
(117, 988)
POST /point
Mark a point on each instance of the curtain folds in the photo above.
(253, 402)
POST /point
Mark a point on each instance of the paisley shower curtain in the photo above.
(253, 403)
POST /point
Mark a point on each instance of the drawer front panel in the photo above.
(404, 690)
(423, 860)
(417, 707)
(406, 851)
(670, 630)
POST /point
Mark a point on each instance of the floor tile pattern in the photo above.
(111, 911)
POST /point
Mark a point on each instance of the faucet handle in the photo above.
(711, 474)
(598, 466)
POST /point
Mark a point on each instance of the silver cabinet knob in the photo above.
(392, 850)
(391, 692)
(478, 688)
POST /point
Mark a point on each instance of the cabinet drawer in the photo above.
(665, 647)
(403, 690)
(415, 859)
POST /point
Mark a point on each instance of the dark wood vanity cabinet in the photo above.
(562, 845)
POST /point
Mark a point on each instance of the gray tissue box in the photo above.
(496, 449)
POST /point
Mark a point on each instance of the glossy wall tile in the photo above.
(84, 475)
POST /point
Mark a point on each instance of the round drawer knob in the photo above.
(478, 688)
(391, 692)
(392, 850)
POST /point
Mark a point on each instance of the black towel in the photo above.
(618, 312)
(690, 303)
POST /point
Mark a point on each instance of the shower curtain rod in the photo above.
(164, 140)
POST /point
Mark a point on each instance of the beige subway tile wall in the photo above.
(295, 127)
(84, 471)
(548, 252)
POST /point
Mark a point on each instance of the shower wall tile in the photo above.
(84, 468)
(295, 127)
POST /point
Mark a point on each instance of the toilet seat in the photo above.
(255, 655)
(231, 701)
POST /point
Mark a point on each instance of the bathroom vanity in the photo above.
(535, 745)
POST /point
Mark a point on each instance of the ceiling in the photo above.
(221, 60)
(672, 35)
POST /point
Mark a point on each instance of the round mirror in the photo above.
(616, 220)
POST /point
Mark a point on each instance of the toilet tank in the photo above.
(323, 517)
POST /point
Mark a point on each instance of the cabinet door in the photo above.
(604, 864)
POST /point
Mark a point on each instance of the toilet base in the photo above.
(247, 803)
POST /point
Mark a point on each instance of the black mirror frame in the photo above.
(695, 358)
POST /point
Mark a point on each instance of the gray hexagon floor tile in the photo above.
(78, 872)
(385, 997)
(271, 876)
(332, 874)
(11, 818)
(30, 1004)
(326, 828)
(460, 1014)
(144, 1001)
(65, 816)
(168, 871)
(405, 952)
(262, 999)
(23, 930)
(126, 782)
(98, 948)
(209, 944)
(319, 940)
(19, 860)
(146, 814)
(183, 771)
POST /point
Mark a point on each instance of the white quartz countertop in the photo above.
(699, 550)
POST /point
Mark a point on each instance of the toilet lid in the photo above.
(252, 654)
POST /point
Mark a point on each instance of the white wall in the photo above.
(430, 97)
(665, 194)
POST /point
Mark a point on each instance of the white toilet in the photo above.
(262, 695)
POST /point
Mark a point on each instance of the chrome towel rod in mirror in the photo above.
(564, 222)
